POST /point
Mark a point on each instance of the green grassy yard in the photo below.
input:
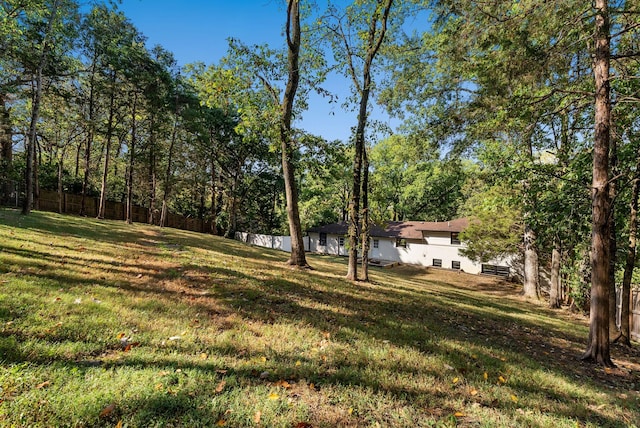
(107, 324)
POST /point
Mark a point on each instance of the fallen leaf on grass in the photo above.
(119, 424)
(459, 415)
(108, 410)
(221, 423)
(43, 384)
(283, 383)
(257, 417)
(485, 376)
(455, 380)
(221, 386)
(203, 356)
(473, 392)
(273, 396)
(502, 380)
(514, 398)
(220, 371)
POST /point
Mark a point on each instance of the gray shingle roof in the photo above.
(398, 229)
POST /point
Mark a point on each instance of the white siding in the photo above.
(332, 246)
(435, 245)
(268, 241)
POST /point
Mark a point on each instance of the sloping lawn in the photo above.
(106, 324)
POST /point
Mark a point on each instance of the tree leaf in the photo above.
(283, 383)
(273, 396)
(257, 417)
(43, 384)
(108, 410)
(221, 386)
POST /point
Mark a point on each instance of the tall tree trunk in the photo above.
(374, 41)
(625, 328)
(60, 189)
(90, 136)
(354, 205)
(168, 176)
(132, 151)
(613, 244)
(233, 219)
(36, 175)
(35, 114)
(297, 257)
(531, 265)
(109, 136)
(598, 343)
(6, 149)
(555, 292)
(365, 215)
(152, 173)
(214, 205)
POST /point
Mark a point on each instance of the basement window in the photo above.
(437, 263)
(376, 243)
(496, 270)
(455, 265)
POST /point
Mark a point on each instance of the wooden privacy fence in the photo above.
(71, 204)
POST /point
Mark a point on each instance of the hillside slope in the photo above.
(103, 323)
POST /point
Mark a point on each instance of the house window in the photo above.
(323, 238)
(455, 239)
(401, 242)
(496, 270)
(376, 243)
(437, 262)
(341, 241)
(455, 265)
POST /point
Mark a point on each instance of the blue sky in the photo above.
(197, 30)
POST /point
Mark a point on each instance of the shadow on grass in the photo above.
(437, 319)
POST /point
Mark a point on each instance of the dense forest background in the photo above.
(497, 101)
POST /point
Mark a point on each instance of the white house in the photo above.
(411, 242)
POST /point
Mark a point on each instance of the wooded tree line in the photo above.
(521, 115)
